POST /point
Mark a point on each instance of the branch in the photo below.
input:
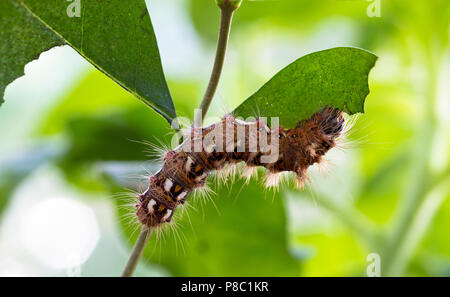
(227, 8)
(137, 251)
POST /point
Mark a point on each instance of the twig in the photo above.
(137, 251)
(227, 8)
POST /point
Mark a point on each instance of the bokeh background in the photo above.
(72, 142)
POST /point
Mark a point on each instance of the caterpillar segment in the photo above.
(232, 141)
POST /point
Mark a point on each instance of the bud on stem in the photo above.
(229, 4)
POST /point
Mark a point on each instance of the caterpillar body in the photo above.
(186, 168)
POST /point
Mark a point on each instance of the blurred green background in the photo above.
(72, 142)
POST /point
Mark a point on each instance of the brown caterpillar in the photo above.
(185, 168)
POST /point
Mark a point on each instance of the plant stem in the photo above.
(417, 189)
(353, 219)
(137, 251)
(227, 9)
(418, 228)
(226, 16)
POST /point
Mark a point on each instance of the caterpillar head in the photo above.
(306, 144)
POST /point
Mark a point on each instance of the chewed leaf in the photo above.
(336, 77)
(22, 39)
(116, 38)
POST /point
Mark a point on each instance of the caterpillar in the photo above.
(232, 141)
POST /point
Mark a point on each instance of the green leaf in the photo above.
(22, 39)
(116, 38)
(336, 77)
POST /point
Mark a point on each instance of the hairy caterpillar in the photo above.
(278, 150)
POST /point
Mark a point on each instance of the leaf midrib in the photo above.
(80, 51)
